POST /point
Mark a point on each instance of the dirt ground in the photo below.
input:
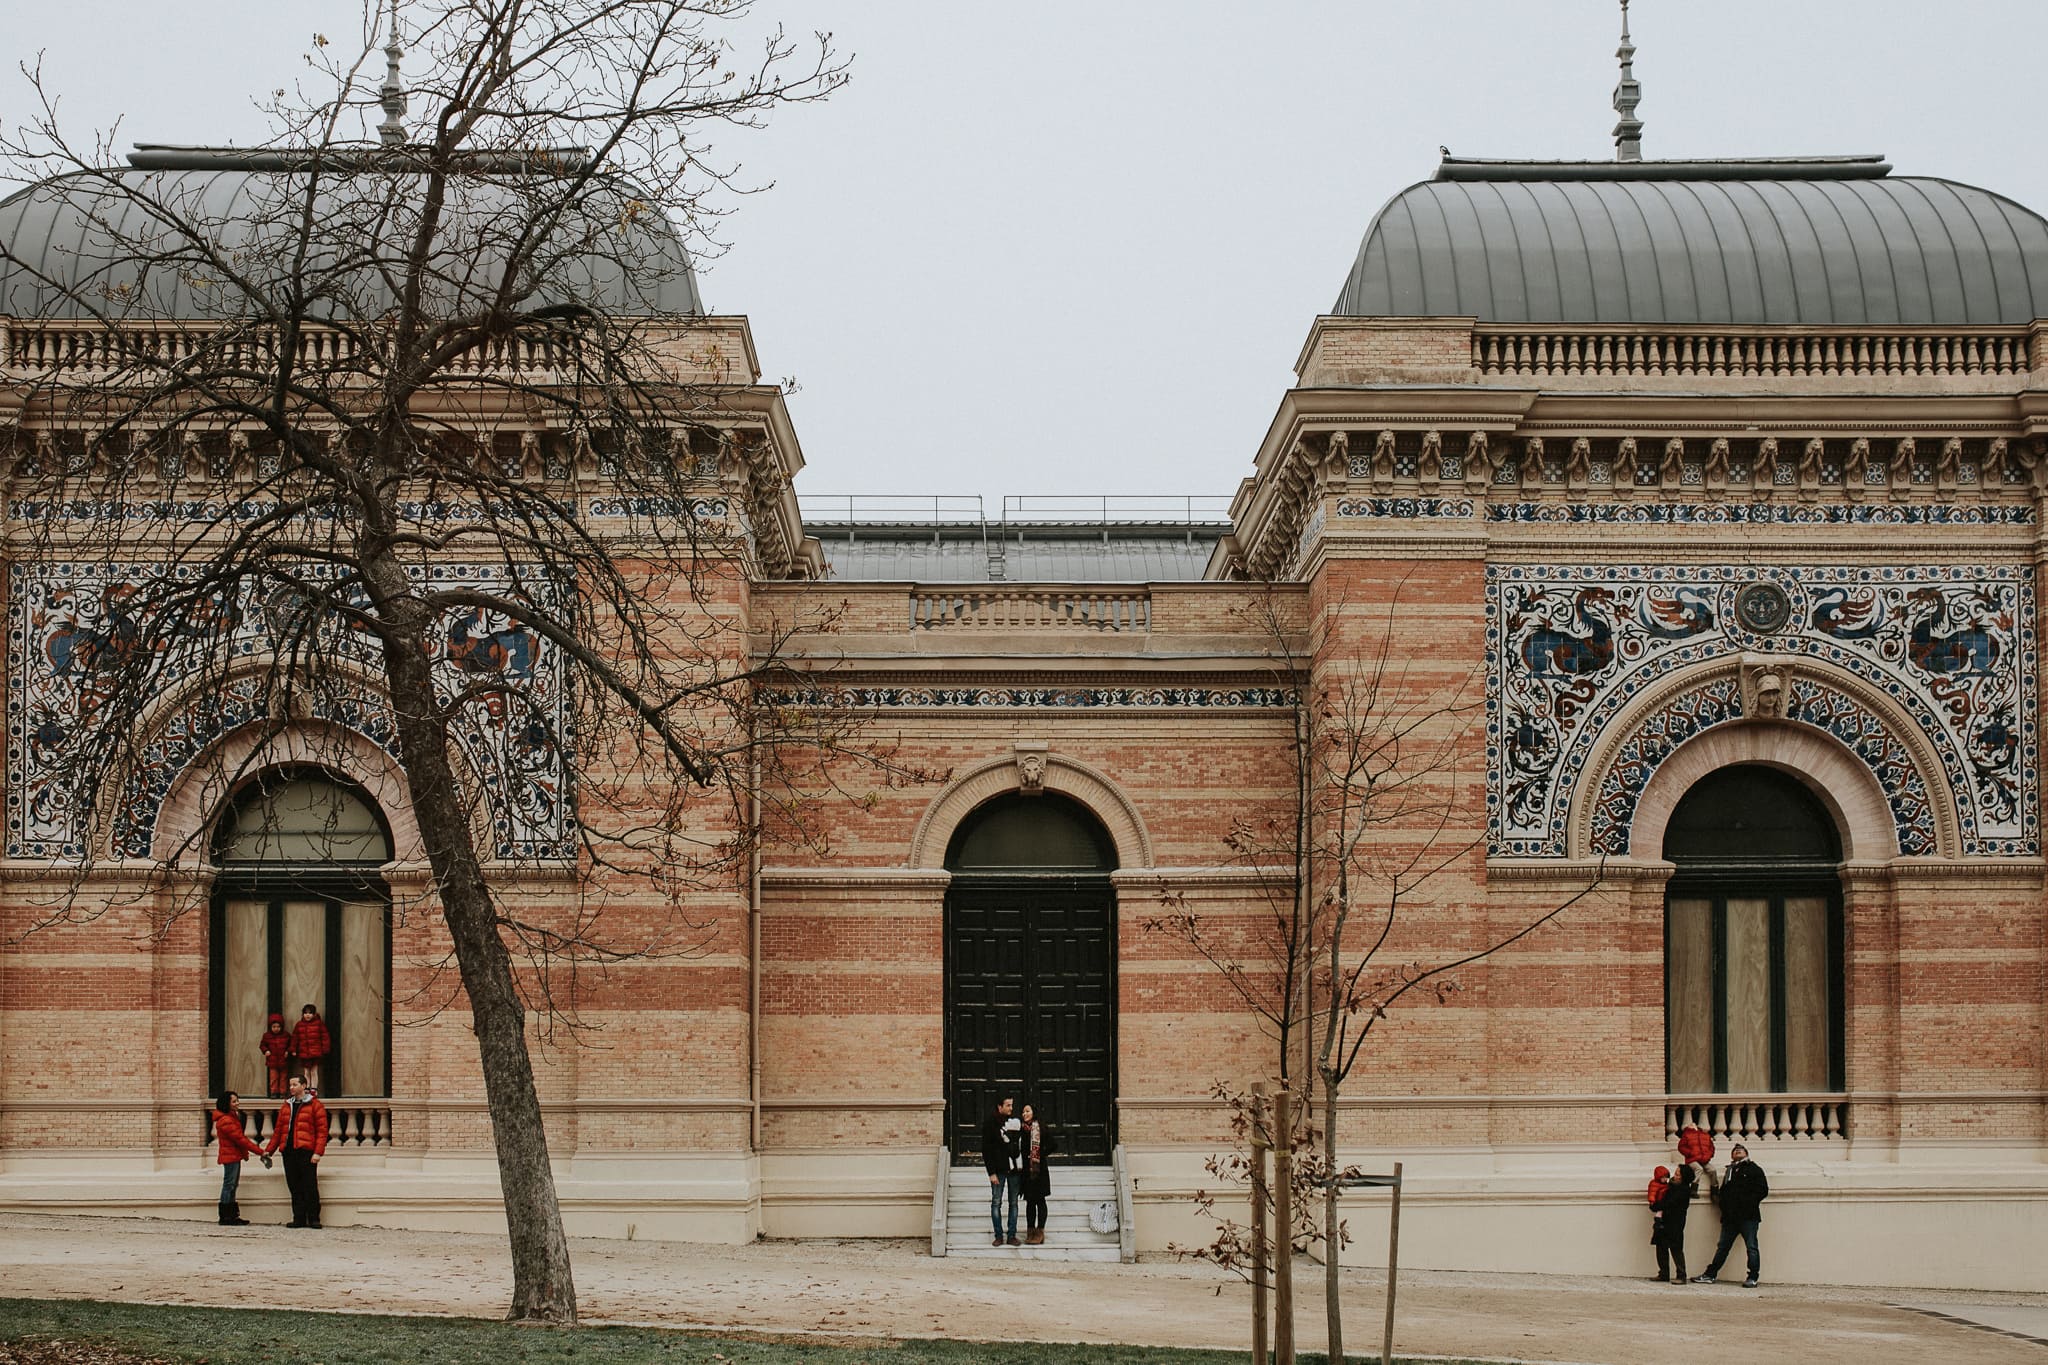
(893, 1289)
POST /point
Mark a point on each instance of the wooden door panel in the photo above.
(1030, 981)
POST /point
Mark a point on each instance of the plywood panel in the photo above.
(1807, 1006)
(1748, 1020)
(363, 1033)
(305, 958)
(1689, 996)
(245, 994)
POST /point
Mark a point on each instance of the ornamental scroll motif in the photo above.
(1952, 647)
(61, 616)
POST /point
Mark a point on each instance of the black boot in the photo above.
(234, 1217)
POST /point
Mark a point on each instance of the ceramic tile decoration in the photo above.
(60, 615)
(1568, 647)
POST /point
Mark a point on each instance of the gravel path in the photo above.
(893, 1289)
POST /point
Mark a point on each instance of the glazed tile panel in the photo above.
(61, 616)
(1568, 647)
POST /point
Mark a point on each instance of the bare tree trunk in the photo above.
(1333, 1308)
(543, 1287)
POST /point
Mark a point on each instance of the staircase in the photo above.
(1076, 1190)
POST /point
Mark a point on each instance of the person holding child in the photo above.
(1671, 1204)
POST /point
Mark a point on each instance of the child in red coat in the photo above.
(276, 1047)
(1695, 1145)
(310, 1044)
(1660, 1181)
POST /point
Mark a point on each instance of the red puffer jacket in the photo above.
(312, 1123)
(275, 1046)
(1696, 1145)
(234, 1144)
(309, 1039)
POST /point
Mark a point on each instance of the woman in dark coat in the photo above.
(1669, 1237)
(1037, 1144)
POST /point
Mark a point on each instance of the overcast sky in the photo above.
(1074, 248)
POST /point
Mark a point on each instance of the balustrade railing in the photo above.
(90, 348)
(1754, 1118)
(1030, 609)
(350, 1123)
(1763, 353)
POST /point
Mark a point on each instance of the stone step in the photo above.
(1048, 1252)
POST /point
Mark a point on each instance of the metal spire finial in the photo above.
(1628, 133)
(392, 130)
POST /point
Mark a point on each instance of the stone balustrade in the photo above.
(1034, 608)
(350, 1123)
(1756, 1118)
(1758, 353)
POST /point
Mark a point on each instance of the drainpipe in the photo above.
(754, 949)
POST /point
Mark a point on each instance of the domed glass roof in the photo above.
(1822, 242)
(158, 242)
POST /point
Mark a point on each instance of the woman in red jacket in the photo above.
(235, 1148)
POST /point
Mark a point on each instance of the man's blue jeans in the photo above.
(1730, 1229)
(998, 1186)
(230, 1179)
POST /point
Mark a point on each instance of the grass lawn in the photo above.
(249, 1336)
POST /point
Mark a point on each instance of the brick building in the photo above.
(1707, 493)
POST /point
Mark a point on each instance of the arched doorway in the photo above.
(301, 916)
(1752, 938)
(1031, 972)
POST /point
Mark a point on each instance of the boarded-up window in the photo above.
(301, 917)
(1752, 939)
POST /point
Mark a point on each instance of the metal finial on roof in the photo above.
(1628, 133)
(392, 130)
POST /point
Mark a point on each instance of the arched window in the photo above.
(1752, 938)
(301, 916)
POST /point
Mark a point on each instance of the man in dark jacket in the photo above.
(999, 1158)
(1743, 1191)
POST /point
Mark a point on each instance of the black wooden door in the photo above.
(1031, 1008)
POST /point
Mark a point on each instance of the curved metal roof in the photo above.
(128, 242)
(1824, 243)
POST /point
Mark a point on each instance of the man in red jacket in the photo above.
(301, 1130)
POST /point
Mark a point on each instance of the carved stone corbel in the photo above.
(1532, 464)
(1899, 478)
(1335, 466)
(1383, 460)
(1625, 464)
(1578, 469)
(1478, 463)
(1948, 466)
(1991, 473)
(1673, 468)
(1763, 470)
(1810, 461)
(1716, 473)
(1766, 686)
(1856, 469)
(1430, 467)
(1030, 756)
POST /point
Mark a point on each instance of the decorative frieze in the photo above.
(1569, 647)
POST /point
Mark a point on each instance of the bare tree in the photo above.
(1380, 833)
(416, 436)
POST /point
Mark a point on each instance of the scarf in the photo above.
(1034, 1147)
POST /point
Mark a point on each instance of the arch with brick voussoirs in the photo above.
(1861, 803)
(1030, 767)
(179, 813)
(1031, 928)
